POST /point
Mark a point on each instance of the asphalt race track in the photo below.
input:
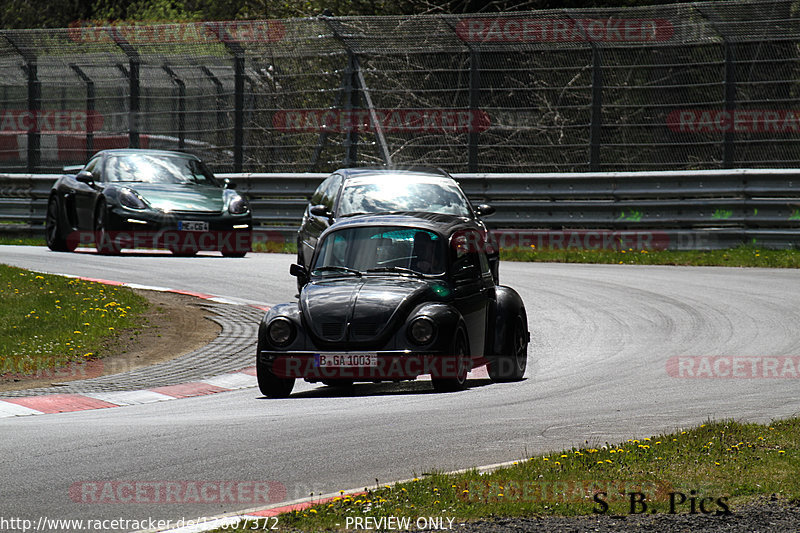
(602, 336)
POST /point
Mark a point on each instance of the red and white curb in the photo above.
(65, 403)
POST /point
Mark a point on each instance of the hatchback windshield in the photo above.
(158, 169)
(388, 193)
(382, 249)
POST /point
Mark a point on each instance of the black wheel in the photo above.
(53, 231)
(103, 241)
(510, 365)
(459, 382)
(269, 384)
(338, 383)
(233, 254)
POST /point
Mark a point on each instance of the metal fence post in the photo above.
(235, 48)
(90, 96)
(181, 106)
(34, 102)
(596, 128)
(133, 84)
(729, 139)
(474, 105)
(218, 101)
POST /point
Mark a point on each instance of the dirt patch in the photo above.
(175, 324)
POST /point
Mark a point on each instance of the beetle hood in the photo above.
(181, 197)
(360, 309)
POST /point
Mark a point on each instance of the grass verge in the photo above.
(710, 469)
(48, 322)
(743, 256)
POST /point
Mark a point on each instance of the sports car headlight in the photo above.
(237, 205)
(130, 199)
(421, 330)
(281, 332)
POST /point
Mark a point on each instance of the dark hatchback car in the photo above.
(131, 198)
(356, 191)
(390, 298)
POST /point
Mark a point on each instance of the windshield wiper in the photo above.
(335, 268)
(401, 270)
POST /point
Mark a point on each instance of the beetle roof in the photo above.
(438, 223)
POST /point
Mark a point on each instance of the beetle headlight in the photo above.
(280, 332)
(421, 330)
(131, 200)
(237, 205)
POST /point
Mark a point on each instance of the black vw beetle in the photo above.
(390, 298)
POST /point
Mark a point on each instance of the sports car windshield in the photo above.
(390, 250)
(390, 194)
(158, 169)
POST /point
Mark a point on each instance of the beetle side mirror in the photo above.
(228, 184)
(298, 271)
(484, 210)
(320, 211)
(84, 176)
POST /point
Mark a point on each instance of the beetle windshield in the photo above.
(391, 194)
(151, 168)
(381, 249)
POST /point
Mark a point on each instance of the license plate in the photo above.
(192, 225)
(340, 360)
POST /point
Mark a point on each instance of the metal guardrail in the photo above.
(691, 209)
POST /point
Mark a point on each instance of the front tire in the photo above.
(103, 242)
(459, 382)
(53, 231)
(510, 364)
(269, 384)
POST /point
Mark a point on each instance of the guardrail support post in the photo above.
(219, 102)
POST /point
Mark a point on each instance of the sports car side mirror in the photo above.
(484, 210)
(320, 211)
(298, 271)
(229, 184)
(84, 176)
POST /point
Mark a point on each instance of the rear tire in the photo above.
(511, 363)
(269, 384)
(53, 231)
(459, 382)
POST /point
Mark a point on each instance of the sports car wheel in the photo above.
(453, 384)
(510, 365)
(52, 230)
(103, 241)
(269, 384)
